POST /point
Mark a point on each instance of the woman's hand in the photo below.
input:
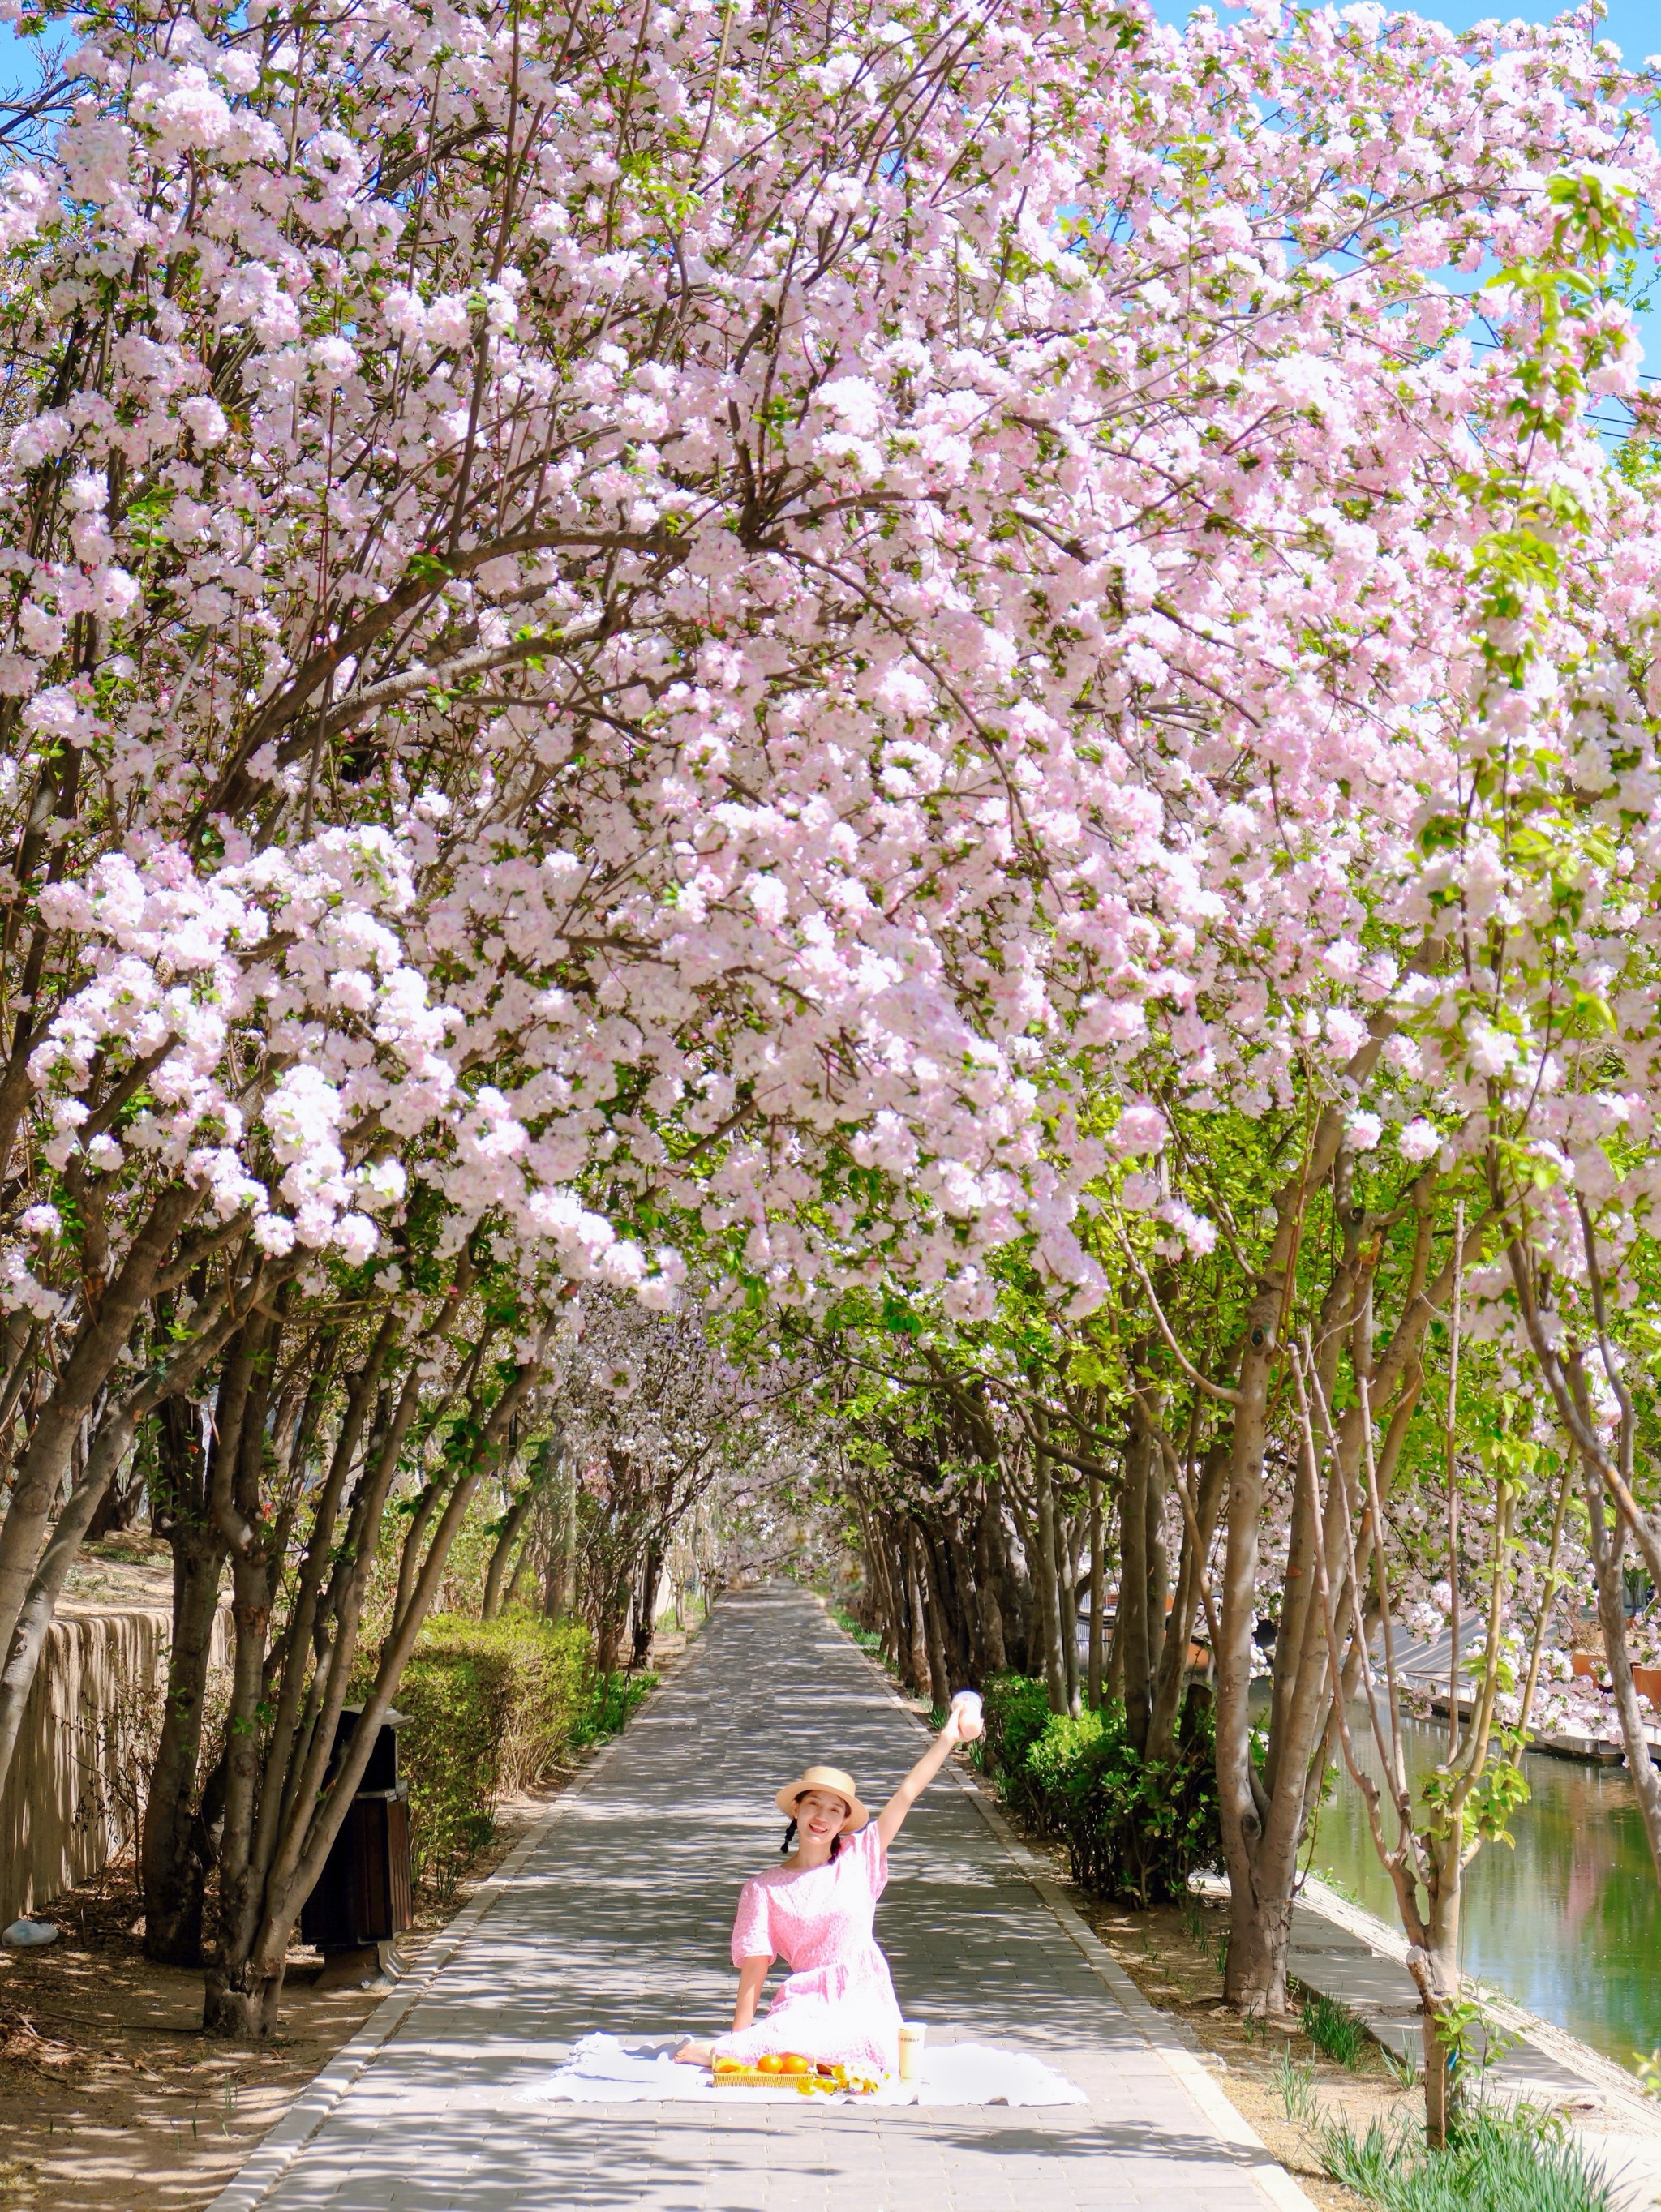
(960, 1728)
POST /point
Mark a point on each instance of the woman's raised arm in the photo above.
(891, 1819)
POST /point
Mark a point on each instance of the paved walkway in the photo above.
(617, 1915)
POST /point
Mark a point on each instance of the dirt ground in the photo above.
(110, 2098)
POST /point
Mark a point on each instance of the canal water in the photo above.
(1568, 1924)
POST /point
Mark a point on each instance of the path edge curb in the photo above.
(1150, 2023)
(276, 2150)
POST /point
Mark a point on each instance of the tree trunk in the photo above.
(1097, 1594)
(971, 1647)
(559, 1596)
(646, 1604)
(914, 1659)
(1114, 1686)
(414, 1536)
(886, 1603)
(1136, 1579)
(939, 1676)
(1179, 1622)
(988, 1579)
(77, 1387)
(33, 1624)
(946, 1580)
(240, 2004)
(521, 1574)
(117, 1509)
(1046, 1584)
(1608, 1540)
(1435, 1965)
(172, 1872)
(236, 1490)
(1067, 1608)
(1011, 1579)
(93, 1468)
(1159, 1567)
(271, 1862)
(608, 1643)
(1260, 1917)
(513, 1528)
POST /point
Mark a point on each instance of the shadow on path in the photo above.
(618, 1919)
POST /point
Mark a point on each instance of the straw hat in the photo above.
(831, 1778)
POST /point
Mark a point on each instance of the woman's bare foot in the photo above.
(695, 2054)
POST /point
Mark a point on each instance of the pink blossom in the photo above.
(1419, 1141)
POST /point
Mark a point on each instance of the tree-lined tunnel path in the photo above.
(617, 1916)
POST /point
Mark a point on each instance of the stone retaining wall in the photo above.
(71, 1801)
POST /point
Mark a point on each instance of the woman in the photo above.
(816, 1912)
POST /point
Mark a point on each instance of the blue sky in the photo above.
(1633, 25)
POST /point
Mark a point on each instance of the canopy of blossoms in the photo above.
(692, 625)
(805, 650)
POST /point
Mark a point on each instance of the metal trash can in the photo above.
(362, 1901)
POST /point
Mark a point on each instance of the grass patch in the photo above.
(1296, 2085)
(1335, 2031)
(611, 1698)
(1399, 2066)
(866, 1638)
(1500, 2162)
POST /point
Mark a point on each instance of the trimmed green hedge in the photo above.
(1134, 1828)
(493, 1706)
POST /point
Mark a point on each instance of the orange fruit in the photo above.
(793, 2063)
(770, 2063)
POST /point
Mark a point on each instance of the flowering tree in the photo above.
(654, 1416)
(786, 641)
(310, 1432)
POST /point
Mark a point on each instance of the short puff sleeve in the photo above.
(870, 1854)
(752, 1934)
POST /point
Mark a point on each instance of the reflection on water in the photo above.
(1568, 1924)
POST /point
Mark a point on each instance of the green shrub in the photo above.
(1134, 1828)
(493, 1706)
(1016, 1713)
(1496, 2161)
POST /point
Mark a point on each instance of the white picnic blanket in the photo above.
(603, 2069)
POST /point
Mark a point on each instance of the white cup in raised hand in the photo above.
(966, 1704)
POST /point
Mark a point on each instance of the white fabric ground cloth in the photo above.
(603, 2071)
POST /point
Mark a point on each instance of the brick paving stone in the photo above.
(617, 1917)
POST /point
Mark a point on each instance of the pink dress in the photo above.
(838, 2003)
